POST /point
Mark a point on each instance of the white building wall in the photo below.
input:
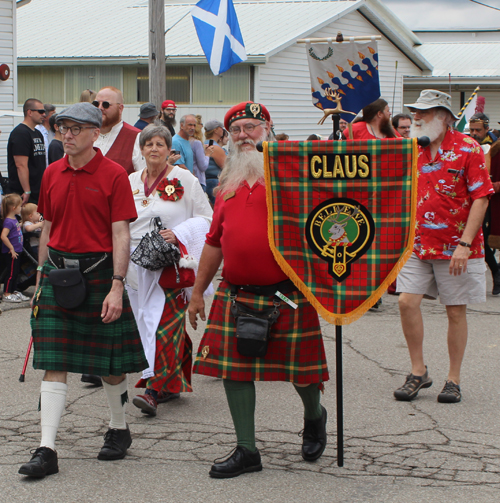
(8, 88)
(284, 85)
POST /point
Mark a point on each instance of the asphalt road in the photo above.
(420, 451)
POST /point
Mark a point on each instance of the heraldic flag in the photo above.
(341, 218)
(219, 34)
(350, 68)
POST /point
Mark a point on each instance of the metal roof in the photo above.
(463, 59)
(119, 28)
(112, 30)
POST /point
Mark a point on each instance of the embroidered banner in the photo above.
(350, 68)
(341, 218)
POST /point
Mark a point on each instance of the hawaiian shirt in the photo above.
(447, 187)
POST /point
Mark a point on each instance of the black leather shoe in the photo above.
(92, 379)
(241, 460)
(43, 462)
(116, 443)
(314, 437)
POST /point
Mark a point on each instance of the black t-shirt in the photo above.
(27, 142)
(56, 150)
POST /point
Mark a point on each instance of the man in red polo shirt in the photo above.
(448, 254)
(252, 277)
(87, 204)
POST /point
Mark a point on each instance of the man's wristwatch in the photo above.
(119, 278)
(463, 243)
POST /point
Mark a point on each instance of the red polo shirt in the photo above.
(239, 228)
(82, 204)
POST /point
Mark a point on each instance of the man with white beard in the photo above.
(254, 285)
(448, 256)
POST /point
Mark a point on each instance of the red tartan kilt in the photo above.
(295, 352)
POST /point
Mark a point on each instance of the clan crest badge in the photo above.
(340, 231)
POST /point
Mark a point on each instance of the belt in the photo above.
(284, 287)
(86, 265)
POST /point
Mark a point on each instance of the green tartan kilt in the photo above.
(295, 352)
(77, 340)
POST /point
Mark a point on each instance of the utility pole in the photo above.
(157, 82)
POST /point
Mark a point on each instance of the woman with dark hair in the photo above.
(375, 123)
(175, 196)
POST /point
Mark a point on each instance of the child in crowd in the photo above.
(12, 246)
(32, 222)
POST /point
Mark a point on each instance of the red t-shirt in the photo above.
(447, 187)
(360, 132)
(239, 228)
(82, 204)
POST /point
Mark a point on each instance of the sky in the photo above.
(449, 14)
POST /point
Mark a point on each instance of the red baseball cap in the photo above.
(246, 110)
(168, 104)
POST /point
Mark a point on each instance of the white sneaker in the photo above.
(11, 298)
(21, 296)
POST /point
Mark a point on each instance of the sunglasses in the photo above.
(41, 112)
(105, 104)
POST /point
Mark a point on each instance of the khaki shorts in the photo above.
(432, 278)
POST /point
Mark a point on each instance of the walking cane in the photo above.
(21, 377)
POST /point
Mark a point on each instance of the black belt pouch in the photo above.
(70, 287)
(253, 329)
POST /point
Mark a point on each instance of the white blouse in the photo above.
(194, 203)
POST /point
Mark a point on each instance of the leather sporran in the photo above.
(70, 287)
(153, 252)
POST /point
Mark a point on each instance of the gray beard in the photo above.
(432, 129)
(241, 166)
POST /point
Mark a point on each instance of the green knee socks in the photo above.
(310, 398)
(241, 399)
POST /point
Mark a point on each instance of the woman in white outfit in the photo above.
(175, 195)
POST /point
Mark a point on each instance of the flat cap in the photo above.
(83, 113)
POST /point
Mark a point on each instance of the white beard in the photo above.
(241, 165)
(432, 129)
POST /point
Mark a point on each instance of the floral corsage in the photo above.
(170, 190)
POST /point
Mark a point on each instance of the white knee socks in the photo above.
(52, 402)
(117, 398)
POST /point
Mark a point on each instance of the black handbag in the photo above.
(153, 252)
(253, 328)
(70, 287)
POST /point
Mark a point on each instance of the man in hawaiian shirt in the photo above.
(448, 258)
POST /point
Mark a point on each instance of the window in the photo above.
(184, 84)
(232, 86)
(43, 83)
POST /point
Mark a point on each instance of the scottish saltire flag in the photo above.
(219, 34)
(350, 68)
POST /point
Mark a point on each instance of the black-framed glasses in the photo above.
(105, 104)
(75, 130)
(41, 111)
(248, 128)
